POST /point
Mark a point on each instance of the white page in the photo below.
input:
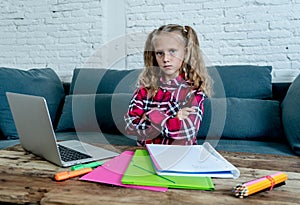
(194, 159)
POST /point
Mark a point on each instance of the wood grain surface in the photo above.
(28, 179)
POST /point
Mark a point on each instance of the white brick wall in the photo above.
(59, 34)
(64, 34)
(259, 32)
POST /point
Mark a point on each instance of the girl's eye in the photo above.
(172, 52)
(159, 53)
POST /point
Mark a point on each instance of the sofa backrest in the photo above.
(278, 89)
(242, 106)
(239, 85)
(103, 81)
(39, 81)
(242, 81)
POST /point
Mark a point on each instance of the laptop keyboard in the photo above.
(68, 154)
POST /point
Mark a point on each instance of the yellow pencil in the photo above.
(254, 186)
(266, 183)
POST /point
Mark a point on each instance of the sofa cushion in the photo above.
(94, 112)
(97, 81)
(291, 115)
(41, 82)
(238, 118)
(242, 81)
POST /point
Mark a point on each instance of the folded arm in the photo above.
(171, 119)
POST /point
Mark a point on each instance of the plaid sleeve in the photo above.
(185, 129)
(136, 122)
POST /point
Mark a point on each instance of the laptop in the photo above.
(36, 134)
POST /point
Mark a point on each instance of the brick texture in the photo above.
(64, 34)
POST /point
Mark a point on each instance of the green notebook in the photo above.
(140, 171)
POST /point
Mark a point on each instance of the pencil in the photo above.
(257, 185)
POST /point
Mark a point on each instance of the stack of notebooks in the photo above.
(160, 167)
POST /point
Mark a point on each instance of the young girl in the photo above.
(167, 106)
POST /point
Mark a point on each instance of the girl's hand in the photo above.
(185, 112)
(144, 116)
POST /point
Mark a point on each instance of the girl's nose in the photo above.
(166, 57)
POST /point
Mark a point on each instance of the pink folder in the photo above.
(111, 172)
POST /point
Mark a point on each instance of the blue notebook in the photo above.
(140, 171)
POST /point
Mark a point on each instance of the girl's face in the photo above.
(169, 51)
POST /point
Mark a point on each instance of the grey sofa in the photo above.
(248, 113)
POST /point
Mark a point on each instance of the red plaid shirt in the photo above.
(153, 120)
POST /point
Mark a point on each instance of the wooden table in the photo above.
(25, 178)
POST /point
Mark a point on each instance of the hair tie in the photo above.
(184, 29)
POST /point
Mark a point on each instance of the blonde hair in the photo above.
(193, 65)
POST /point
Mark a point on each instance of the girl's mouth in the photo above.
(167, 66)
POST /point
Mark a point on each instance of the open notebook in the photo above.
(193, 160)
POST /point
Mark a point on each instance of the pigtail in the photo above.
(149, 51)
(149, 76)
(194, 63)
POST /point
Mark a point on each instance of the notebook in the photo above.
(34, 127)
(190, 160)
(111, 172)
(141, 172)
